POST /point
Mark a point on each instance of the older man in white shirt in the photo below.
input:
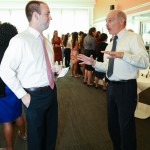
(125, 59)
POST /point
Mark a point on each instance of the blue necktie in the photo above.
(111, 60)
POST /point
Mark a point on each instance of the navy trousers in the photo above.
(42, 120)
(121, 105)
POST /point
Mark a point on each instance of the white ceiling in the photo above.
(20, 4)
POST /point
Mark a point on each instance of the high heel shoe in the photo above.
(22, 137)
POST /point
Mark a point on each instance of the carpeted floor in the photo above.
(83, 119)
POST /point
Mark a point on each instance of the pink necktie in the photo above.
(48, 65)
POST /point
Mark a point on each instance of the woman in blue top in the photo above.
(10, 105)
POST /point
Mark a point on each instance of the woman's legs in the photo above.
(96, 81)
(83, 69)
(72, 70)
(85, 76)
(8, 133)
(75, 70)
(104, 84)
(89, 77)
(21, 126)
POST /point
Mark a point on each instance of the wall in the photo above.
(102, 7)
(67, 16)
(138, 15)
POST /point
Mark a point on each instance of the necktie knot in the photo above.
(115, 38)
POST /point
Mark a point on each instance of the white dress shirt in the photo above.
(135, 57)
(23, 64)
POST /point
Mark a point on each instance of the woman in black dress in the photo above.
(89, 50)
(101, 46)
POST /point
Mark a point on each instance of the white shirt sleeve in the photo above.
(9, 64)
(137, 56)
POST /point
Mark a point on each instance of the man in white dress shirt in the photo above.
(23, 69)
(129, 57)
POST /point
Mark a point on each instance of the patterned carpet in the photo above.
(83, 120)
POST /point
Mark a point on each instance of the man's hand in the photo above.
(86, 60)
(112, 54)
(26, 100)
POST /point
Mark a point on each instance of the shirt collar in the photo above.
(34, 32)
(121, 33)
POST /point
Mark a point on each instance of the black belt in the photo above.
(121, 81)
(38, 89)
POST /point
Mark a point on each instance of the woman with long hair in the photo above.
(67, 49)
(101, 46)
(89, 50)
(74, 54)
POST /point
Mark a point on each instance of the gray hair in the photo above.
(121, 15)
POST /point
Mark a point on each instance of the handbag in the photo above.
(2, 88)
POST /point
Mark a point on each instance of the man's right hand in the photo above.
(26, 100)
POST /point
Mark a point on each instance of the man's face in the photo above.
(113, 23)
(44, 17)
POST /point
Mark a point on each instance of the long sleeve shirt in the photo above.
(135, 57)
(23, 64)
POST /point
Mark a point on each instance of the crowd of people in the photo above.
(71, 45)
(28, 63)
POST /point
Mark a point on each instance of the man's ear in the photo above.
(35, 15)
(122, 20)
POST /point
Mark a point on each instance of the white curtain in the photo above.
(63, 20)
(68, 20)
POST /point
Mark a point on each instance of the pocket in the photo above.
(30, 102)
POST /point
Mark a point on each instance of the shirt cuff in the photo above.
(125, 56)
(20, 93)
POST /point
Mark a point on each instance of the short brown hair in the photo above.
(31, 7)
